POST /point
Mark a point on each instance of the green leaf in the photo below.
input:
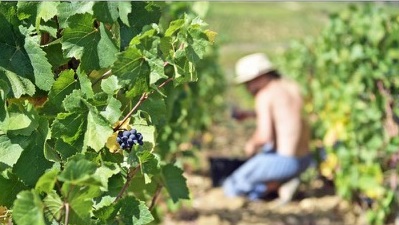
(98, 130)
(132, 71)
(155, 106)
(93, 47)
(79, 172)
(16, 121)
(110, 85)
(174, 26)
(124, 9)
(54, 206)
(32, 163)
(112, 112)
(144, 14)
(80, 201)
(46, 182)
(9, 188)
(63, 86)
(149, 165)
(47, 10)
(106, 47)
(19, 85)
(69, 126)
(106, 12)
(73, 102)
(28, 209)
(14, 61)
(9, 152)
(157, 70)
(135, 212)
(175, 182)
(68, 9)
(85, 84)
(54, 54)
(42, 71)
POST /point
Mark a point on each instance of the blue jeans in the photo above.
(250, 179)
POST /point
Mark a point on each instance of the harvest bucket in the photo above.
(222, 167)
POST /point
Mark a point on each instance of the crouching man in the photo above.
(279, 147)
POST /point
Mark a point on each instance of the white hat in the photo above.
(252, 66)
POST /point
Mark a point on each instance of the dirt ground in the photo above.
(314, 204)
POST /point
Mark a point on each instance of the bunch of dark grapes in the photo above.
(126, 139)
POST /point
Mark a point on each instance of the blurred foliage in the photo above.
(350, 78)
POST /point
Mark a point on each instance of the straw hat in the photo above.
(251, 66)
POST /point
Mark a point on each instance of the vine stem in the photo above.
(155, 198)
(143, 97)
(130, 175)
(66, 213)
(109, 72)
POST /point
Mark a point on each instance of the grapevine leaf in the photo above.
(73, 102)
(124, 9)
(112, 112)
(47, 10)
(149, 165)
(67, 150)
(19, 85)
(69, 127)
(174, 26)
(132, 71)
(27, 117)
(107, 210)
(135, 212)
(106, 12)
(110, 85)
(106, 47)
(198, 42)
(80, 201)
(54, 206)
(144, 14)
(28, 209)
(9, 188)
(32, 163)
(54, 54)
(175, 182)
(85, 42)
(104, 173)
(15, 63)
(68, 9)
(46, 182)
(157, 70)
(42, 71)
(79, 172)
(63, 86)
(85, 84)
(156, 107)
(16, 121)
(9, 152)
(98, 130)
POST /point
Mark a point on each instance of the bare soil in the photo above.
(314, 204)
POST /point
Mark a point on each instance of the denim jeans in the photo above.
(250, 179)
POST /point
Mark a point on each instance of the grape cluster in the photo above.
(126, 139)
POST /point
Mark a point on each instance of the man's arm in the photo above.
(264, 124)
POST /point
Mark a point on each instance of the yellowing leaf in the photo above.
(211, 35)
(327, 167)
(111, 143)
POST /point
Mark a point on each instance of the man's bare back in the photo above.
(289, 132)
